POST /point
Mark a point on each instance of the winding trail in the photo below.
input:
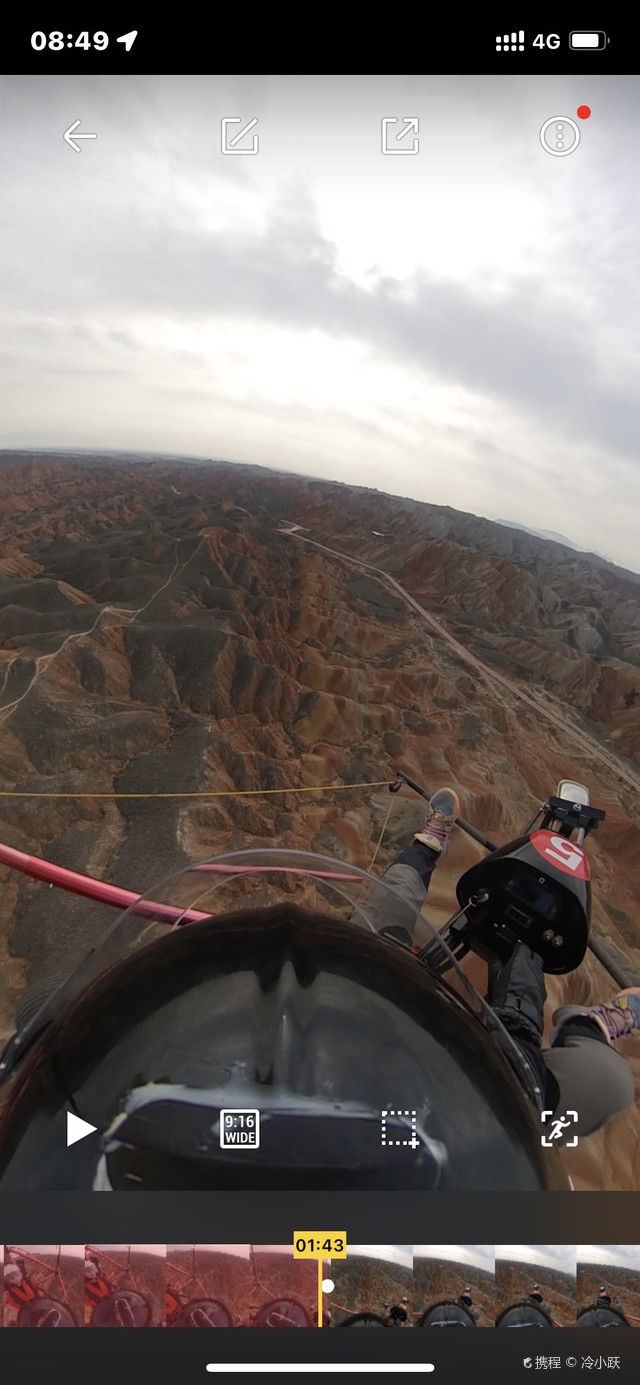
(43, 661)
(497, 681)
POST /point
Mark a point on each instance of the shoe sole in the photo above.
(455, 798)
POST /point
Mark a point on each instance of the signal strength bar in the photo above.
(510, 43)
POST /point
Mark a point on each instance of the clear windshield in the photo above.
(252, 880)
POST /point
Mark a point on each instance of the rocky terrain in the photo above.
(514, 1277)
(435, 1279)
(621, 1282)
(367, 1282)
(161, 633)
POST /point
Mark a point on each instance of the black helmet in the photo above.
(445, 1313)
(363, 1320)
(365, 1070)
(523, 1315)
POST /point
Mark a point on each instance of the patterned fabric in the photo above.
(618, 1019)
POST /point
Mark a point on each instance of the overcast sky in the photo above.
(483, 1257)
(460, 326)
(561, 1258)
(51, 1250)
(135, 1250)
(627, 1256)
(399, 1255)
(243, 1251)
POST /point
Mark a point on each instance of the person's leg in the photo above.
(581, 1071)
(592, 1077)
(394, 915)
(409, 875)
(517, 994)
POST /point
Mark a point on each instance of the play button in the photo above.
(77, 1129)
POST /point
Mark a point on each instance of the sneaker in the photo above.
(618, 1019)
(444, 807)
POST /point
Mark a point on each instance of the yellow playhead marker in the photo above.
(316, 1245)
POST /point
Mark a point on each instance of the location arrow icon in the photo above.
(128, 39)
(77, 1129)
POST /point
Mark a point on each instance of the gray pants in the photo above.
(592, 1077)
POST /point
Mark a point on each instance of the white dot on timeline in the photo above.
(328, 1286)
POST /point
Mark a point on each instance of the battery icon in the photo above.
(588, 39)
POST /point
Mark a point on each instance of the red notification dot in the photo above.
(583, 112)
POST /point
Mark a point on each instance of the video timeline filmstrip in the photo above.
(397, 1286)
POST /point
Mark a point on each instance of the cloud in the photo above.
(554, 1257)
(626, 1257)
(461, 328)
(520, 347)
(398, 1255)
(482, 1257)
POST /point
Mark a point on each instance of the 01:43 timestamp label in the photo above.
(313, 1245)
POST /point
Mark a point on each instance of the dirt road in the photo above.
(497, 681)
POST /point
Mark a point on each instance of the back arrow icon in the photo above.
(72, 129)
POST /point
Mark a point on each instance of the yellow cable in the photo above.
(378, 843)
(206, 793)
